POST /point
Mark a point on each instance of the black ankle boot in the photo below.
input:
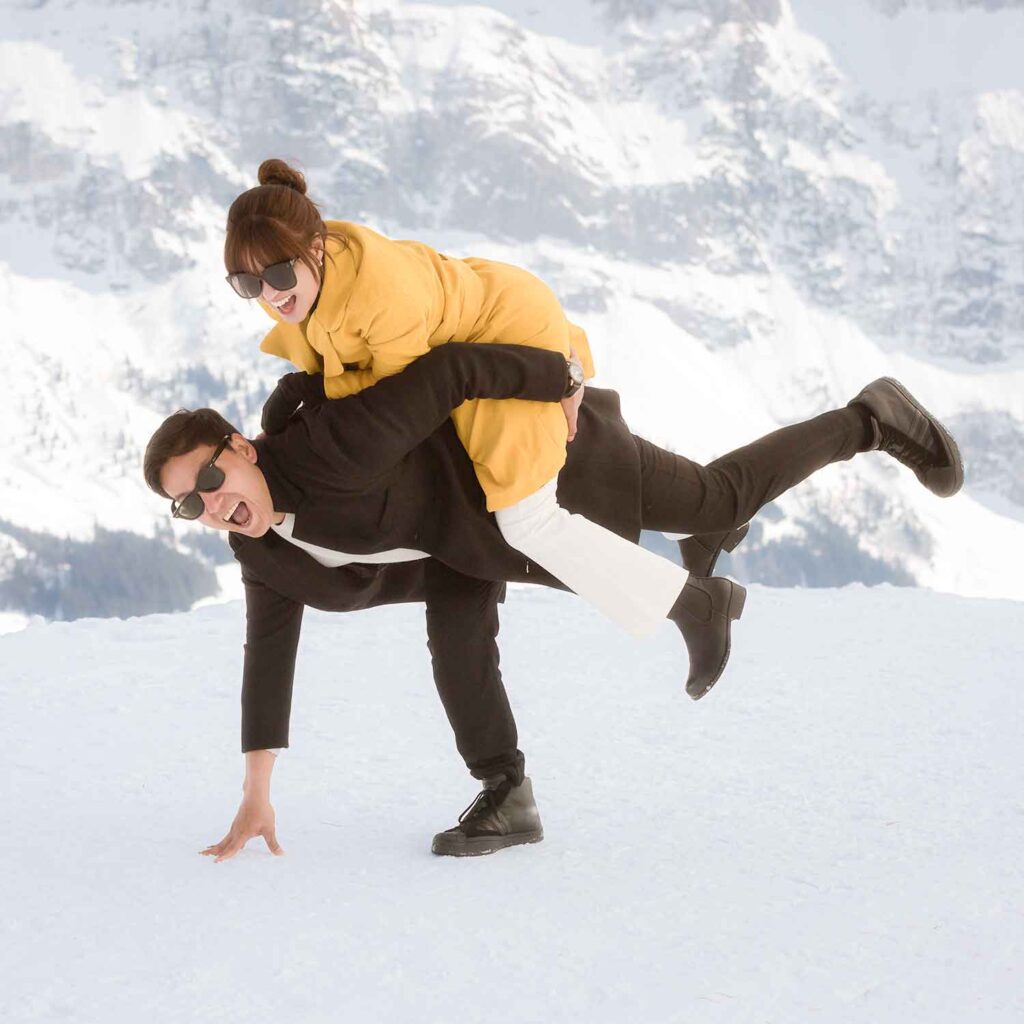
(701, 551)
(501, 815)
(704, 613)
(904, 429)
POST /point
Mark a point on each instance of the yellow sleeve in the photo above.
(351, 382)
(287, 341)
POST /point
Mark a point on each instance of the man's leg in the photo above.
(462, 630)
(681, 496)
(714, 502)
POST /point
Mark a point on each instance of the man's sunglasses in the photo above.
(209, 478)
(280, 277)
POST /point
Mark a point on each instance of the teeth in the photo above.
(231, 511)
(278, 305)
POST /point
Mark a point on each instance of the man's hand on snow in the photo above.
(254, 818)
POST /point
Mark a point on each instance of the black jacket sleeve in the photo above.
(272, 626)
(293, 390)
(273, 622)
(366, 434)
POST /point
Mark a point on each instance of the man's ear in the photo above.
(242, 446)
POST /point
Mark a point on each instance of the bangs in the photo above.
(258, 242)
(273, 224)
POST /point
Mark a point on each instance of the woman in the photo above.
(356, 307)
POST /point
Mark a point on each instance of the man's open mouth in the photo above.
(239, 514)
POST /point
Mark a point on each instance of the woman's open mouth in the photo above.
(288, 307)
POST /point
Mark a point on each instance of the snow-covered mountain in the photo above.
(833, 834)
(753, 206)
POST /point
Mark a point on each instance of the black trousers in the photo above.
(681, 496)
(678, 495)
(462, 630)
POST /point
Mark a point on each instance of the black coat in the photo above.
(384, 469)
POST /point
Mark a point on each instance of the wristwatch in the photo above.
(574, 378)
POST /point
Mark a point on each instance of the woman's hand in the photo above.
(255, 817)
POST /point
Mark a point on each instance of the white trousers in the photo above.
(629, 584)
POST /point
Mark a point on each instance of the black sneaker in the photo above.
(906, 430)
(501, 815)
(704, 613)
(701, 551)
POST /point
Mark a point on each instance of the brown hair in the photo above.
(179, 434)
(274, 222)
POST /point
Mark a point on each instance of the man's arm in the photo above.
(255, 815)
(365, 434)
(273, 623)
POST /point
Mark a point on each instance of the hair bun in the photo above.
(277, 172)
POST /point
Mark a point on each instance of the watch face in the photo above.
(576, 373)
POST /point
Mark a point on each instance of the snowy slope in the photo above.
(753, 206)
(833, 834)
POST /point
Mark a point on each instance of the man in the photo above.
(371, 500)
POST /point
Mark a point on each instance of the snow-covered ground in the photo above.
(833, 834)
(11, 622)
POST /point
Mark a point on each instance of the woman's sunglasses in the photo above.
(209, 478)
(280, 277)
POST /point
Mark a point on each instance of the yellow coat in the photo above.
(384, 303)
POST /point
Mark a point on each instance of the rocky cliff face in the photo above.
(767, 202)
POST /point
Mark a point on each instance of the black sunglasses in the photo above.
(209, 478)
(280, 277)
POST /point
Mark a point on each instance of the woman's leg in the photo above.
(681, 496)
(629, 584)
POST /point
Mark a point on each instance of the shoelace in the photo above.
(907, 450)
(489, 799)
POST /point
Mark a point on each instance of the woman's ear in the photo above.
(318, 249)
